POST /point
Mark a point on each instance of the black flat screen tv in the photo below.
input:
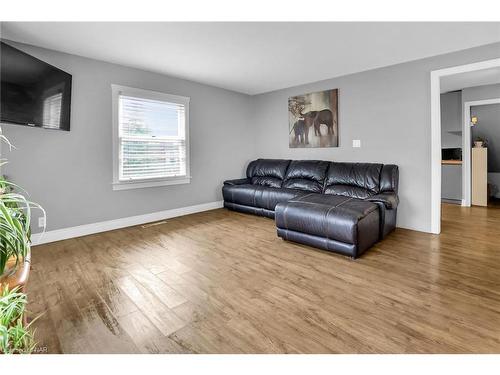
(32, 92)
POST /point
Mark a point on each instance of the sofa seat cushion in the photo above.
(238, 181)
(249, 209)
(329, 216)
(349, 191)
(389, 200)
(268, 198)
(258, 196)
(240, 194)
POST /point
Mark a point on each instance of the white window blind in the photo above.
(152, 138)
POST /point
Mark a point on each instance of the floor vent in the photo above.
(153, 224)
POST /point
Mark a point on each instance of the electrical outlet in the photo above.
(356, 143)
(41, 222)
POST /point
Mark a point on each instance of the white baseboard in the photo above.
(103, 226)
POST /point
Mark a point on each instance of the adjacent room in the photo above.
(250, 187)
(469, 158)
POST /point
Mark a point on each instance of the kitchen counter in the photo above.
(451, 162)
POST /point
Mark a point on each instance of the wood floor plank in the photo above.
(104, 330)
(46, 339)
(70, 326)
(147, 337)
(158, 313)
(223, 282)
(154, 285)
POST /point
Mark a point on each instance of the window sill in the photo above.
(125, 185)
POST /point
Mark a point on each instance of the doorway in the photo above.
(436, 150)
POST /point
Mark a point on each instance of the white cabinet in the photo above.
(479, 176)
(451, 182)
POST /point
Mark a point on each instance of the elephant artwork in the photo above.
(313, 119)
(317, 118)
(300, 130)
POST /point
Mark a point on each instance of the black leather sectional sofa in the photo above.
(342, 207)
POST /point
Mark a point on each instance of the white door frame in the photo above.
(466, 147)
(436, 132)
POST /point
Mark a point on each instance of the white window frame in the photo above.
(153, 95)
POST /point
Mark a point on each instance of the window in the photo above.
(52, 111)
(150, 146)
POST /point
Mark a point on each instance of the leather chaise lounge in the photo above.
(341, 207)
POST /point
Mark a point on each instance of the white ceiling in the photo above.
(254, 57)
(470, 79)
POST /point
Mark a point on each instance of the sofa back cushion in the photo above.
(267, 172)
(389, 178)
(306, 175)
(357, 180)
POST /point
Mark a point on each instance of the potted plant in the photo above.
(16, 337)
(15, 248)
(480, 142)
(14, 237)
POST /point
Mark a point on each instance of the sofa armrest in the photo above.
(389, 199)
(239, 181)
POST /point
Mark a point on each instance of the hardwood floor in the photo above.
(223, 282)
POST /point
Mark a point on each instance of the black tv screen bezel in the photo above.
(66, 110)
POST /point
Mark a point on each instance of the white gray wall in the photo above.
(451, 120)
(70, 173)
(480, 93)
(494, 180)
(388, 109)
